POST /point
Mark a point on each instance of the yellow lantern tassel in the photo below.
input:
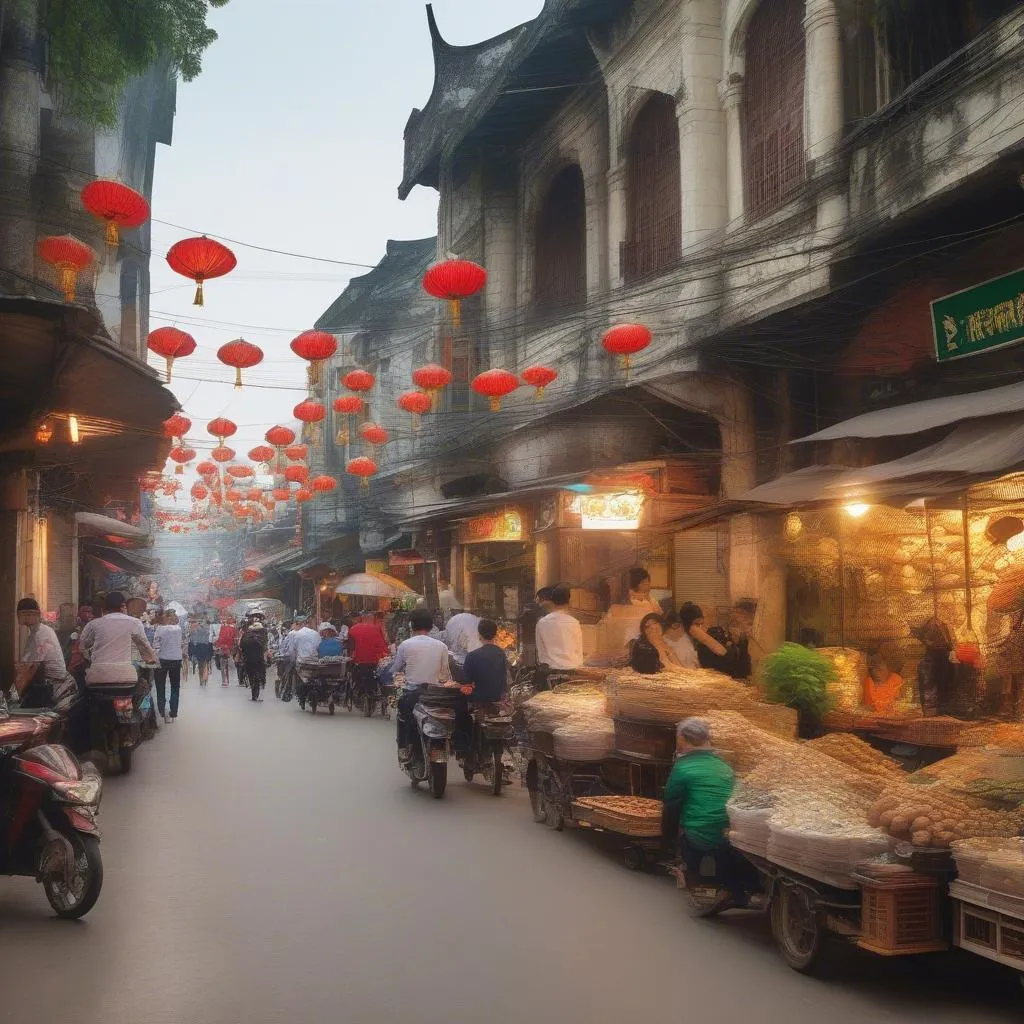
(540, 394)
(365, 483)
(238, 378)
(495, 403)
(416, 424)
(170, 365)
(67, 276)
(198, 300)
(113, 236)
(455, 308)
(179, 470)
(342, 436)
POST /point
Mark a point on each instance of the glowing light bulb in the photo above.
(73, 431)
(857, 510)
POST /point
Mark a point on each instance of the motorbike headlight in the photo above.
(85, 792)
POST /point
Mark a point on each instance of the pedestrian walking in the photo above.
(226, 636)
(168, 643)
(202, 650)
(252, 650)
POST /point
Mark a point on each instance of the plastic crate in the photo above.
(901, 916)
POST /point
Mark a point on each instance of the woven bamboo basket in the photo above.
(627, 815)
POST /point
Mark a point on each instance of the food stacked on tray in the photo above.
(996, 864)
(669, 697)
(628, 815)
(576, 718)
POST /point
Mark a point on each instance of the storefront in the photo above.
(494, 560)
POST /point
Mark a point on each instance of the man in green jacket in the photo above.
(694, 817)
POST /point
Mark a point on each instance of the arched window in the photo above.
(655, 224)
(560, 265)
(773, 105)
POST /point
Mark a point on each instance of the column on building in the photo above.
(702, 147)
(731, 95)
(823, 96)
(500, 249)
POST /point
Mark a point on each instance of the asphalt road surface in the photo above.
(264, 866)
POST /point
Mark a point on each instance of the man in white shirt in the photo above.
(108, 643)
(559, 636)
(41, 660)
(305, 645)
(424, 660)
(463, 633)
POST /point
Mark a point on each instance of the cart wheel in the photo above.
(553, 817)
(796, 926)
(536, 797)
(330, 707)
(634, 858)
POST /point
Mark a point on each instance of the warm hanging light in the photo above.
(309, 411)
(222, 453)
(323, 484)
(346, 405)
(315, 347)
(857, 510)
(240, 472)
(74, 436)
(374, 434)
(182, 456)
(296, 452)
(261, 454)
(44, 432)
(432, 379)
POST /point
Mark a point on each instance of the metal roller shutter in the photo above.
(701, 572)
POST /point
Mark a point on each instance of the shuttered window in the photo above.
(560, 266)
(655, 224)
(702, 572)
(773, 105)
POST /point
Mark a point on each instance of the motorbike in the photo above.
(48, 807)
(706, 890)
(365, 691)
(284, 682)
(322, 682)
(491, 737)
(434, 722)
(117, 718)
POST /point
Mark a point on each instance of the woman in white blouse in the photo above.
(168, 643)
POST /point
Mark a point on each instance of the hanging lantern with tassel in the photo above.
(539, 377)
(432, 378)
(346, 405)
(176, 427)
(69, 257)
(120, 207)
(242, 355)
(416, 403)
(171, 344)
(495, 385)
(200, 259)
(625, 341)
(453, 281)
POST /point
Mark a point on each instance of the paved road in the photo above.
(263, 866)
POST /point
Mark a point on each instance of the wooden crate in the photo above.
(647, 740)
(901, 915)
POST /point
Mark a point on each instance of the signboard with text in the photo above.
(979, 319)
(506, 525)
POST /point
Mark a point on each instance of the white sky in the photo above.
(292, 139)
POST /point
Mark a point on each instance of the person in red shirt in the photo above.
(225, 647)
(367, 645)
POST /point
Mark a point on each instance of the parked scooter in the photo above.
(492, 735)
(116, 715)
(48, 807)
(434, 719)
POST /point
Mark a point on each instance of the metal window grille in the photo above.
(655, 225)
(560, 266)
(773, 105)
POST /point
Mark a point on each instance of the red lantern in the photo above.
(297, 452)
(281, 494)
(201, 259)
(240, 472)
(233, 494)
(172, 344)
(221, 428)
(323, 484)
(117, 204)
(454, 280)
(181, 456)
(346, 405)
(432, 378)
(222, 453)
(315, 346)
(539, 377)
(359, 380)
(969, 654)
(297, 474)
(253, 494)
(262, 453)
(364, 468)
(207, 468)
(494, 385)
(280, 437)
(309, 411)
(416, 403)
(199, 492)
(626, 340)
(374, 434)
(177, 426)
(241, 355)
(304, 494)
(69, 257)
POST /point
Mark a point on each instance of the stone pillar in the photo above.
(19, 140)
(499, 255)
(597, 235)
(731, 94)
(702, 146)
(617, 223)
(823, 103)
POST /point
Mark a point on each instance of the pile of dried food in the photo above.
(629, 815)
(577, 717)
(991, 863)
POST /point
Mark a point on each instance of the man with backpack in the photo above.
(252, 651)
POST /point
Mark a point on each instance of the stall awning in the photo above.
(976, 450)
(94, 523)
(127, 561)
(918, 417)
(799, 488)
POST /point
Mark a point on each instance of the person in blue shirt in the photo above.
(331, 645)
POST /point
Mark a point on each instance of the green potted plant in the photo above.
(799, 677)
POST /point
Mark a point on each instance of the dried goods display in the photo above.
(546, 711)
(630, 815)
(1008, 735)
(855, 753)
(585, 738)
(991, 863)
(846, 690)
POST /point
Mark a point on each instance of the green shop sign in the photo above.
(979, 319)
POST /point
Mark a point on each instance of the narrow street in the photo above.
(263, 866)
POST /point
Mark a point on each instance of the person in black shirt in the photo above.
(486, 680)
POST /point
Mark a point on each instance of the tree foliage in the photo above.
(96, 46)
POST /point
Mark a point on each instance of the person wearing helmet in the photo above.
(331, 645)
(252, 649)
